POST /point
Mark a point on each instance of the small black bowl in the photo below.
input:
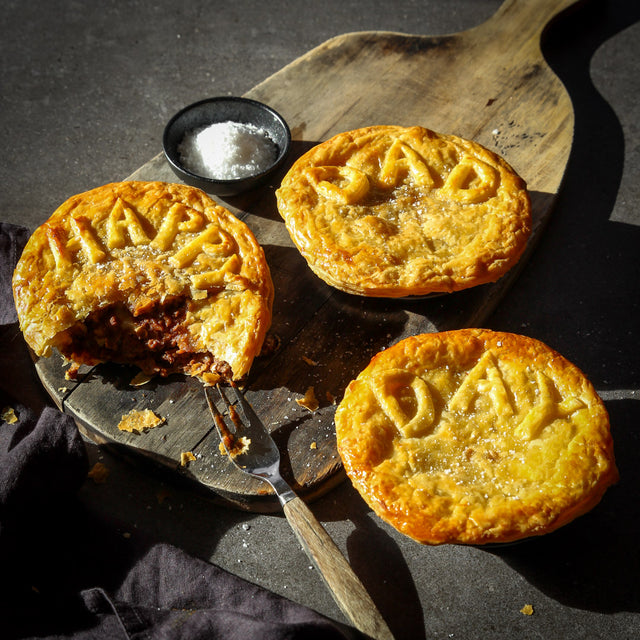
(223, 109)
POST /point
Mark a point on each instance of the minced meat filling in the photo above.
(156, 340)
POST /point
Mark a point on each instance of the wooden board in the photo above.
(491, 84)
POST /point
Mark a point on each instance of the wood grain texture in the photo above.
(346, 588)
(491, 84)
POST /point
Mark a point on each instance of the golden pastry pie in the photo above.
(146, 273)
(392, 211)
(475, 437)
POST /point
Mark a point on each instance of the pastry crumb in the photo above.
(313, 445)
(72, 372)
(309, 361)
(527, 610)
(309, 401)
(186, 457)
(140, 379)
(99, 473)
(234, 446)
(8, 414)
(138, 421)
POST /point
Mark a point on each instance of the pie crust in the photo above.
(475, 437)
(394, 211)
(146, 273)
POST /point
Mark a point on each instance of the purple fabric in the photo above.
(64, 575)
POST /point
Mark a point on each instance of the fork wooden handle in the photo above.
(348, 592)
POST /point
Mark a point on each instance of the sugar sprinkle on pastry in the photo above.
(392, 211)
(146, 273)
(474, 436)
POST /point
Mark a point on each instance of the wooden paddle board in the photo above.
(490, 84)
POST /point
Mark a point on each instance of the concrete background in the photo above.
(86, 89)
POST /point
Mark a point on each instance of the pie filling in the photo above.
(156, 339)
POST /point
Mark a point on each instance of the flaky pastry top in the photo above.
(396, 211)
(474, 436)
(137, 244)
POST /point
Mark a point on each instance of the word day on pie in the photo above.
(473, 436)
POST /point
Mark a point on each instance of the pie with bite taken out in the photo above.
(146, 273)
(394, 211)
(474, 437)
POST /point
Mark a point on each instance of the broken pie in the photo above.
(146, 273)
(394, 211)
(474, 436)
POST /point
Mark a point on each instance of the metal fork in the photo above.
(252, 449)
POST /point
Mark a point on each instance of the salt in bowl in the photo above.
(196, 164)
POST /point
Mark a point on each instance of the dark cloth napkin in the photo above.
(65, 575)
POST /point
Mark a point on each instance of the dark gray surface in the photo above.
(86, 91)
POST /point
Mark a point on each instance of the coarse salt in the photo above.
(227, 150)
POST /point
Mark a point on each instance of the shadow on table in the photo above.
(594, 562)
(584, 278)
(378, 561)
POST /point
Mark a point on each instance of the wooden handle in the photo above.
(347, 590)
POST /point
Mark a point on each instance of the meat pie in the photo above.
(146, 273)
(390, 211)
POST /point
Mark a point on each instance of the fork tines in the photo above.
(227, 428)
